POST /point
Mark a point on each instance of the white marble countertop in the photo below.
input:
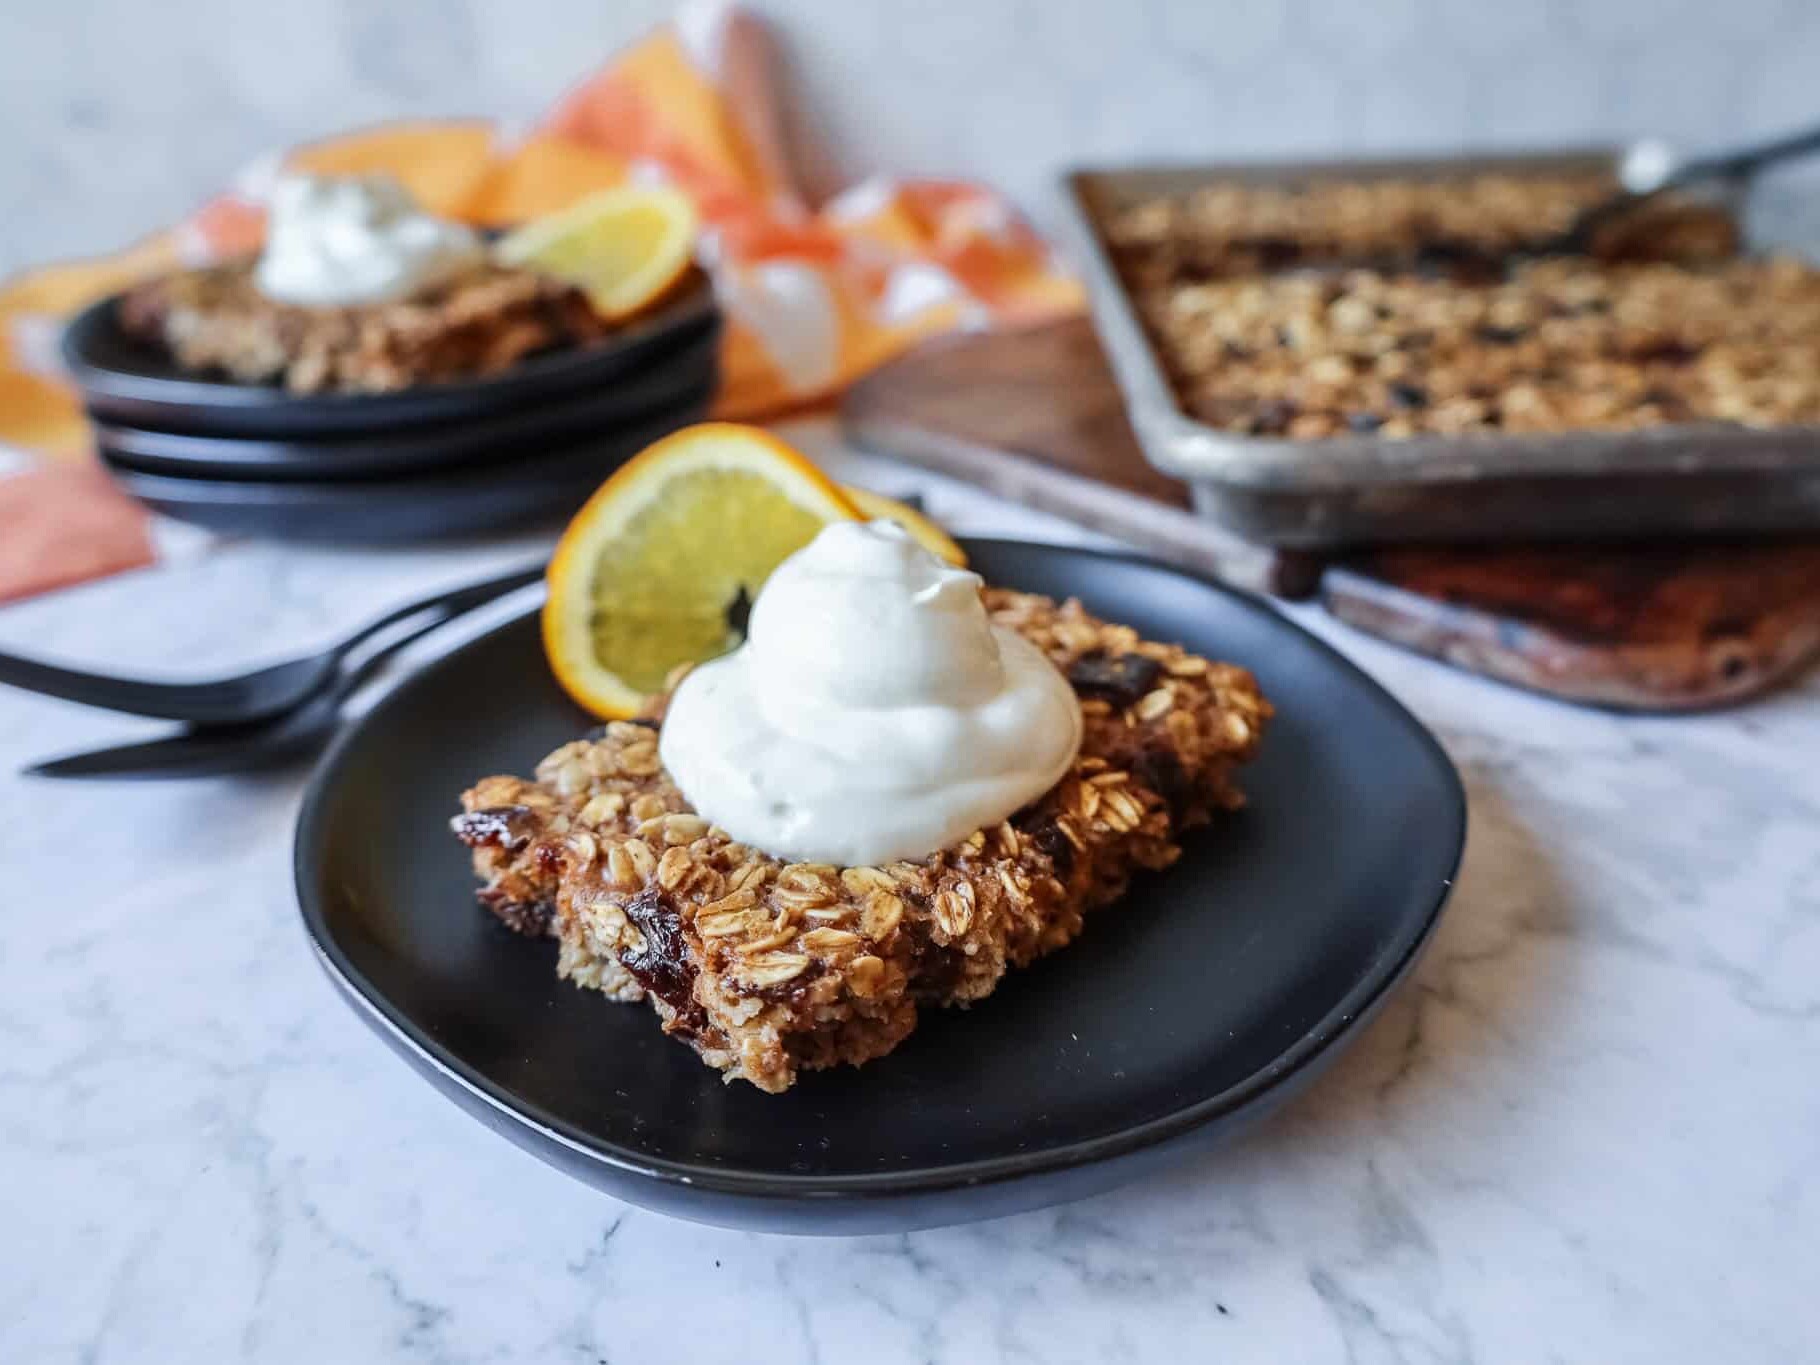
(1587, 1129)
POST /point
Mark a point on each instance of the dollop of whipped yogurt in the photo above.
(333, 242)
(874, 712)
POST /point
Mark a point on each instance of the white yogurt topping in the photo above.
(873, 713)
(332, 242)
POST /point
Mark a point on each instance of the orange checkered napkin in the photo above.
(815, 297)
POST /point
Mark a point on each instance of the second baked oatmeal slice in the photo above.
(766, 967)
(485, 320)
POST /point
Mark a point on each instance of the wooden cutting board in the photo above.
(1035, 416)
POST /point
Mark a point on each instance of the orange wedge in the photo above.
(656, 571)
(624, 248)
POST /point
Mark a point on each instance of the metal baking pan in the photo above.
(1706, 479)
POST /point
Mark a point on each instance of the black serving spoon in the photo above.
(251, 697)
(1652, 172)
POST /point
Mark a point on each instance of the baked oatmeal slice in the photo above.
(767, 968)
(483, 321)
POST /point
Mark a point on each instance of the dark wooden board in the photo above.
(1035, 415)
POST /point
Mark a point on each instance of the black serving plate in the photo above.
(1210, 993)
(126, 382)
(519, 485)
(685, 380)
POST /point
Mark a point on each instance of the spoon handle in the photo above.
(1746, 160)
(70, 684)
(221, 700)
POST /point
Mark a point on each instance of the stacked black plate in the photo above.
(436, 460)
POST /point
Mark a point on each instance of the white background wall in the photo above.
(116, 115)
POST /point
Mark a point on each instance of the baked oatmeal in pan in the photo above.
(1399, 308)
(767, 967)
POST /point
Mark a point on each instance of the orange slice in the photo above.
(656, 571)
(624, 248)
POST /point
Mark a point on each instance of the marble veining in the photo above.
(1587, 1129)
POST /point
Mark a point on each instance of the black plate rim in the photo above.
(405, 452)
(195, 473)
(1344, 1018)
(546, 467)
(695, 306)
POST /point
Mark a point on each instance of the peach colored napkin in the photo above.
(815, 296)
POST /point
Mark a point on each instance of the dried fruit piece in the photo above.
(1120, 679)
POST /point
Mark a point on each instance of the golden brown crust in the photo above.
(215, 319)
(1226, 229)
(767, 968)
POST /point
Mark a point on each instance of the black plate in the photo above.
(123, 380)
(516, 488)
(684, 379)
(1205, 997)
